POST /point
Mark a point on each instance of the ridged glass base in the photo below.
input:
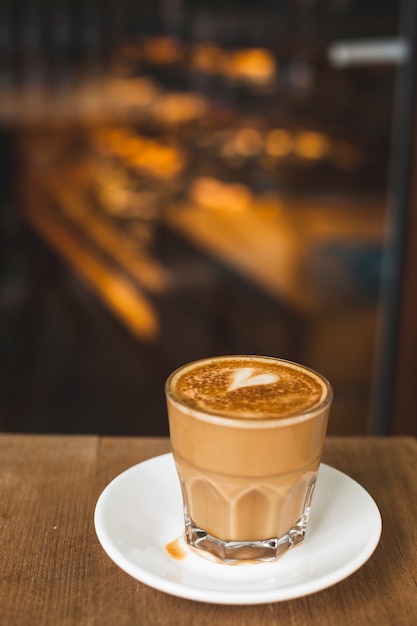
(244, 551)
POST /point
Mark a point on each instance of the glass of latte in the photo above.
(247, 435)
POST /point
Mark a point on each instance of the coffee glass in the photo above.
(247, 435)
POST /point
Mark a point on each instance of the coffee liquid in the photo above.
(247, 435)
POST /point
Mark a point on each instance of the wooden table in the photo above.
(54, 571)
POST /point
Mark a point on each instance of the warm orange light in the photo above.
(134, 306)
(207, 58)
(211, 193)
(248, 142)
(162, 50)
(255, 65)
(118, 293)
(175, 108)
(278, 143)
(311, 145)
(137, 92)
(149, 155)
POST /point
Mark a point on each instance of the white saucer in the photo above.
(140, 512)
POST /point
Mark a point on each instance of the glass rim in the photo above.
(250, 422)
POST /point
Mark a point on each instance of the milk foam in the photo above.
(247, 377)
(248, 387)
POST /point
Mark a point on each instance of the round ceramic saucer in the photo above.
(139, 523)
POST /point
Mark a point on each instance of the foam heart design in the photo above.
(246, 377)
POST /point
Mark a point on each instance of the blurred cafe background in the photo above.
(186, 178)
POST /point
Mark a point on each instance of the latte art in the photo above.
(248, 387)
(247, 434)
(247, 377)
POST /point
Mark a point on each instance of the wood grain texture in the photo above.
(53, 571)
(45, 519)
